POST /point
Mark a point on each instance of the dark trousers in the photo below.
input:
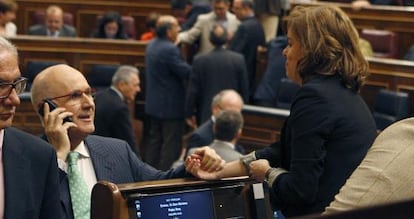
(164, 143)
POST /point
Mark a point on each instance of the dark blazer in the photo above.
(112, 117)
(30, 177)
(114, 161)
(213, 72)
(326, 136)
(204, 136)
(165, 74)
(40, 29)
(248, 37)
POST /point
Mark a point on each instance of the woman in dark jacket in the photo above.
(110, 27)
(330, 128)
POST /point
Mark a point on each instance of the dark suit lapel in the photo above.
(17, 198)
(101, 162)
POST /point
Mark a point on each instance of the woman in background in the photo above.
(110, 27)
(8, 10)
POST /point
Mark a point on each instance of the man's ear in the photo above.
(239, 134)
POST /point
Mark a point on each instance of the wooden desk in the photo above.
(110, 201)
(394, 18)
(85, 12)
(80, 53)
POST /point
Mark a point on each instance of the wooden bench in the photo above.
(85, 12)
(394, 18)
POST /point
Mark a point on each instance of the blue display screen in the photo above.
(185, 205)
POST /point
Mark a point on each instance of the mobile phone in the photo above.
(52, 106)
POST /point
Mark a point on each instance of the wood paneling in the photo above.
(394, 18)
(86, 11)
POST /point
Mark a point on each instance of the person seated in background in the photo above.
(83, 158)
(203, 135)
(384, 175)
(227, 131)
(8, 10)
(112, 114)
(150, 24)
(54, 26)
(330, 128)
(110, 27)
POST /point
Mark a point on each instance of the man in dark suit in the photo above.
(204, 135)
(248, 37)
(112, 114)
(100, 158)
(54, 26)
(166, 74)
(29, 183)
(227, 131)
(214, 71)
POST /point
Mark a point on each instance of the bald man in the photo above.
(54, 26)
(100, 158)
(225, 100)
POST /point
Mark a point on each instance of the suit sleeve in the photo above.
(244, 80)
(240, 40)
(193, 34)
(176, 63)
(123, 126)
(310, 125)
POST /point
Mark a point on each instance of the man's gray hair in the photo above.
(123, 73)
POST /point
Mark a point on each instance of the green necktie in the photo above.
(79, 193)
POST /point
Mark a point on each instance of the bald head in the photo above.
(54, 81)
(227, 100)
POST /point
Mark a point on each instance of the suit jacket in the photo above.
(201, 30)
(326, 136)
(40, 29)
(114, 161)
(268, 89)
(166, 74)
(204, 136)
(225, 151)
(384, 175)
(273, 7)
(112, 117)
(215, 71)
(30, 177)
(248, 37)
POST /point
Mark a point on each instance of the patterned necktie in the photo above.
(78, 190)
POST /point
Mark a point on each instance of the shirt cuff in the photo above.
(247, 159)
(62, 165)
(273, 174)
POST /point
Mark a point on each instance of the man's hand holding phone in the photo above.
(56, 128)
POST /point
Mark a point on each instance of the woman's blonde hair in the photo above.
(329, 42)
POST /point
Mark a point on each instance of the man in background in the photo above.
(213, 72)
(204, 135)
(248, 37)
(113, 118)
(166, 75)
(227, 131)
(54, 26)
(204, 24)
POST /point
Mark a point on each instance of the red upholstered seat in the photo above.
(384, 43)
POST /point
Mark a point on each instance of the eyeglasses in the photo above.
(77, 94)
(6, 88)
